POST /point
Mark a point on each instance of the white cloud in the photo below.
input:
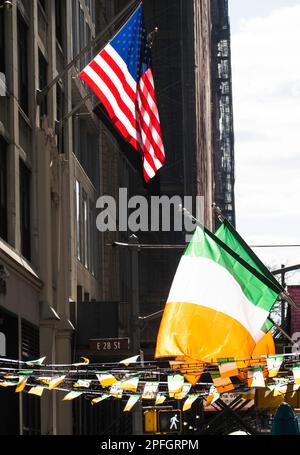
(266, 88)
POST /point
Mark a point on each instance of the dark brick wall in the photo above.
(294, 292)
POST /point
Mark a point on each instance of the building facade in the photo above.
(57, 157)
(49, 186)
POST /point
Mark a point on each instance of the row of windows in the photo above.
(82, 34)
(79, 42)
(85, 214)
(85, 142)
(85, 146)
(23, 69)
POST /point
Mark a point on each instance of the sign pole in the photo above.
(134, 322)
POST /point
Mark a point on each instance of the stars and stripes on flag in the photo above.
(121, 77)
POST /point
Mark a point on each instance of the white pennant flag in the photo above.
(130, 360)
(131, 402)
(150, 390)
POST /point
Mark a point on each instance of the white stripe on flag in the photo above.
(116, 82)
(218, 291)
(122, 65)
(148, 168)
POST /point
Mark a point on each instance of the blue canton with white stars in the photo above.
(131, 44)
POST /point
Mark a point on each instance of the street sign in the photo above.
(169, 421)
(109, 345)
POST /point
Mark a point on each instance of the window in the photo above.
(23, 63)
(31, 404)
(9, 404)
(2, 47)
(59, 103)
(81, 36)
(228, 186)
(59, 116)
(92, 164)
(43, 82)
(3, 194)
(79, 293)
(25, 210)
(78, 220)
(92, 245)
(43, 4)
(93, 7)
(85, 231)
(88, 4)
(75, 6)
(59, 21)
(86, 148)
(228, 198)
(88, 55)
(30, 341)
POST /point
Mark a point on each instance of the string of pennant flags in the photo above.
(133, 380)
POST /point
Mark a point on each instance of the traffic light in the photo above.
(169, 421)
(162, 420)
(150, 422)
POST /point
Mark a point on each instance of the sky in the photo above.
(266, 102)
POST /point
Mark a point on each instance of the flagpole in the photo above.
(42, 93)
(284, 333)
(219, 213)
(73, 111)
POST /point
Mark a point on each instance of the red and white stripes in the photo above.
(150, 139)
(131, 106)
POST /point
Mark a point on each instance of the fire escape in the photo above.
(222, 110)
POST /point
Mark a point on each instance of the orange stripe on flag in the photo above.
(201, 333)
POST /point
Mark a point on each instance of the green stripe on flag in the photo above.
(257, 292)
(231, 237)
(268, 325)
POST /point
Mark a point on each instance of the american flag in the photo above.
(121, 76)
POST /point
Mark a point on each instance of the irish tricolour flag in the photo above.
(217, 307)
